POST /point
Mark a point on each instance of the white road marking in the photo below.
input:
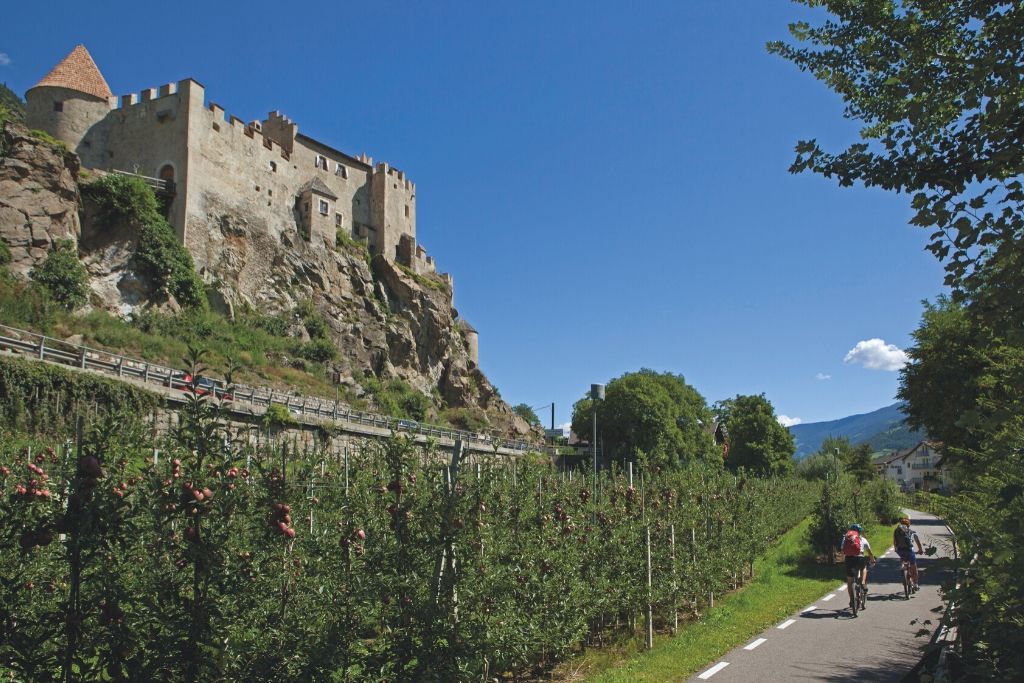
(828, 597)
(786, 624)
(713, 670)
(808, 609)
(757, 642)
(842, 586)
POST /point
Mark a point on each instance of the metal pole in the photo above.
(650, 608)
(596, 394)
(593, 450)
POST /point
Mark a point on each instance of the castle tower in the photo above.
(70, 100)
(472, 341)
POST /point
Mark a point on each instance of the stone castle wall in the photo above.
(256, 169)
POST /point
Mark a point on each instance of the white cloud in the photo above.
(875, 354)
(787, 421)
(822, 376)
(5, 59)
(565, 427)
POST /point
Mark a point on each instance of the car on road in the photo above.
(202, 386)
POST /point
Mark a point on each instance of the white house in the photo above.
(916, 469)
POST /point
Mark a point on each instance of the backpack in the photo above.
(851, 544)
(902, 537)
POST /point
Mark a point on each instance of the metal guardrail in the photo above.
(158, 184)
(86, 358)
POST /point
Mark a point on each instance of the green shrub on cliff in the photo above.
(128, 200)
(63, 276)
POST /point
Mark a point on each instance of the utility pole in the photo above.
(596, 394)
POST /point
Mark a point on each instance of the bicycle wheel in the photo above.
(862, 594)
(906, 581)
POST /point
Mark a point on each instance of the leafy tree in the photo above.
(819, 467)
(756, 439)
(63, 276)
(937, 88)
(940, 384)
(5, 253)
(656, 419)
(526, 412)
(855, 460)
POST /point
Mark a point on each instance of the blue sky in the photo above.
(607, 182)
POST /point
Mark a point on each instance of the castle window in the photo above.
(325, 208)
(342, 171)
(58, 106)
(338, 220)
(406, 210)
(321, 162)
(273, 167)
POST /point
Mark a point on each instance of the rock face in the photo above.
(38, 196)
(386, 321)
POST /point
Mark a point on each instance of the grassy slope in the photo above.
(787, 579)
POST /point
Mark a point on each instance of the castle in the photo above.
(207, 165)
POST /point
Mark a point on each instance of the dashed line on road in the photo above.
(759, 641)
(842, 586)
(810, 608)
(828, 597)
(713, 670)
(786, 624)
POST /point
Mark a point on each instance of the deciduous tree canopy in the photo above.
(653, 418)
(756, 439)
(937, 85)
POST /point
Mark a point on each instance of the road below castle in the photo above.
(825, 643)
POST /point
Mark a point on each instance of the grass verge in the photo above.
(787, 579)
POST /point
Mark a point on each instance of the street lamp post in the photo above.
(596, 394)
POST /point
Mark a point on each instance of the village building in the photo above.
(919, 468)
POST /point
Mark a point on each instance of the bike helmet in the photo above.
(856, 527)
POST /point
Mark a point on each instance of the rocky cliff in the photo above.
(39, 198)
(386, 321)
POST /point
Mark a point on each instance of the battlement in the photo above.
(186, 88)
(384, 169)
(219, 121)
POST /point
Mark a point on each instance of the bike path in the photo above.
(825, 643)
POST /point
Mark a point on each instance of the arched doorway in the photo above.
(166, 190)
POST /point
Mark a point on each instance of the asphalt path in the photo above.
(825, 643)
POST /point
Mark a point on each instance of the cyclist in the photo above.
(857, 551)
(903, 539)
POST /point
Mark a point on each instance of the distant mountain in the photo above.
(883, 429)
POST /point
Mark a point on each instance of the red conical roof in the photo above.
(78, 72)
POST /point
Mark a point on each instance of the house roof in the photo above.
(78, 72)
(318, 186)
(891, 457)
(348, 157)
(906, 452)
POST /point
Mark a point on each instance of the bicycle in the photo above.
(860, 593)
(908, 584)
